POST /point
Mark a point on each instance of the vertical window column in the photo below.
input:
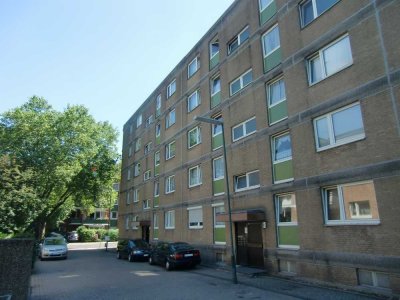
(267, 10)
(276, 98)
(286, 217)
(282, 158)
(219, 227)
(271, 48)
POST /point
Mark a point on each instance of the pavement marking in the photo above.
(70, 276)
(144, 273)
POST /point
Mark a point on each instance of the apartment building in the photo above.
(308, 92)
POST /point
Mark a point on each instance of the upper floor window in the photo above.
(149, 121)
(218, 168)
(146, 204)
(136, 195)
(128, 197)
(193, 101)
(170, 150)
(158, 105)
(157, 158)
(215, 85)
(271, 40)
(263, 4)
(170, 184)
(139, 121)
(194, 176)
(350, 203)
(238, 40)
(241, 82)
(311, 9)
(147, 175)
(147, 148)
(282, 147)
(156, 188)
(244, 129)
(339, 127)
(250, 180)
(138, 144)
(158, 129)
(214, 48)
(170, 119)
(194, 137)
(171, 88)
(137, 169)
(217, 129)
(276, 92)
(130, 151)
(329, 60)
(193, 66)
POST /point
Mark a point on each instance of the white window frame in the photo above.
(158, 130)
(169, 219)
(156, 188)
(158, 102)
(214, 41)
(283, 224)
(197, 131)
(138, 144)
(374, 277)
(195, 97)
(199, 176)
(128, 197)
(198, 224)
(216, 77)
(136, 169)
(171, 88)
(136, 195)
(248, 187)
(332, 142)
(134, 220)
(343, 220)
(315, 13)
(260, 6)
(147, 148)
(215, 178)
(320, 55)
(149, 121)
(139, 121)
(114, 215)
(196, 63)
(268, 87)
(147, 175)
(274, 159)
(157, 161)
(238, 39)
(245, 133)
(168, 153)
(146, 204)
(240, 80)
(264, 36)
(170, 184)
(168, 120)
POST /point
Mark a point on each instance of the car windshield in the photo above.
(140, 243)
(54, 242)
(181, 246)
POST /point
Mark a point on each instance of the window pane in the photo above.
(214, 48)
(241, 182)
(277, 92)
(216, 86)
(287, 209)
(233, 45)
(382, 280)
(218, 168)
(238, 132)
(254, 179)
(271, 41)
(283, 147)
(365, 277)
(217, 129)
(322, 132)
(360, 201)
(307, 12)
(323, 5)
(337, 56)
(251, 126)
(332, 203)
(264, 4)
(192, 67)
(219, 210)
(247, 78)
(194, 176)
(315, 69)
(347, 123)
(235, 86)
(244, 35)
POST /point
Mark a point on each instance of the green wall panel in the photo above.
(268, 13)
(158, 140)
(156, 201)
(217, 141)
(288, 235)
(214, 61)
(277, 112)
(158, 112)
(156, 170)
(155, 233)
(272, 60)
(283, 170)
(219, 186)
(219, 235)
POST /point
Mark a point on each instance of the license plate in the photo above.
(189, 255)
(145, 255)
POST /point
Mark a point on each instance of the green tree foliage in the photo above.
(67, 159)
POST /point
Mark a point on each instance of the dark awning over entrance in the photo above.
(145, 223)
(242, 216)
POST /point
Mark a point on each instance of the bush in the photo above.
(96, 235)
(113, 234)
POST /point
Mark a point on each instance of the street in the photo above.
(97, 274)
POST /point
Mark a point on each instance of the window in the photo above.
(139, 121)
(340, 127)
(136, 195)
(170, 150)
(194, 137)
(214, 48)
(238, 40)
(215, 85)
(286, 209)
(194, 176)
(130, 151)
(244, 129)
(218, 209)
(137, 169)
(217, 129)
(134, 222)
(286, 266)
(158, 130)
(156, 188)
(147, 148)
(147, 175)
(282, 148)
(126, 222)
(129, 174)
(114, 215)
(218, 168)
(311, 9)
(169, 219)
(195, 217)
(170, 184)
(146, 204)
(158, 105)
(131, 129)
(155, 224)
(329, 60)
(263, 4)
(157, 158)
(353, 203)
(171, 88)
(149, 121)
(193, 66)
(241, 82)
(138, 144)
(128, 197)
(247, 181)
(373, 279)
(170, 119)
(193, 101)
(270, 40)
(276, 92)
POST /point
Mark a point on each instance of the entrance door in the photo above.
(146, 233)
(249, 245)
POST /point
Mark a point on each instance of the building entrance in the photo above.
(146, 233)
(249, 245)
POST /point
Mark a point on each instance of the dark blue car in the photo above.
(133, 250)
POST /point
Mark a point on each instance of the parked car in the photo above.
(53, 247)
(172, 255)
(73, 236)
(133, 250)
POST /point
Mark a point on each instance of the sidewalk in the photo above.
(301, 290)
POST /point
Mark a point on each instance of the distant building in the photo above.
(309, 95)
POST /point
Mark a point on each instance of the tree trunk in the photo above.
(40, 228)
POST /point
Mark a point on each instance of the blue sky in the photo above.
(107, 55)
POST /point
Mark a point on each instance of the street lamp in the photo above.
(233, 255)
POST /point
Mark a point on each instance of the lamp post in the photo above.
(233, 254)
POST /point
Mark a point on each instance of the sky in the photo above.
(108, 55)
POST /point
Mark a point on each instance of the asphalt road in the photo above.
(97, 274)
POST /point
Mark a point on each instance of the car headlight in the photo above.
(137, 252)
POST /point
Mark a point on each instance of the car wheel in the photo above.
(168, 266)
(118, 255)
(130, 257)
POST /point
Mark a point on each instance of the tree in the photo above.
(69, 157)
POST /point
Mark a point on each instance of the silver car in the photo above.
(53, 247)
